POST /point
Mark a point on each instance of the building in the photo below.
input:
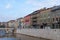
(34, 17)
(20, 22)
(44, 18)
(3, 25)
(12, 24)
(27, 21)
(49, 18)
(55, 16)
(40, 18)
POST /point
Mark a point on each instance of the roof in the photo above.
(38, 11)
(27, 15)
(55, 8)
(19, 18)
(11, 21)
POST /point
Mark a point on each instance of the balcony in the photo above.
(34, 17)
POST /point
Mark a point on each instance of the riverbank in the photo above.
(15, 36)
(53, 34)
(27, 37)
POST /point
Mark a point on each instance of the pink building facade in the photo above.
(27, 21)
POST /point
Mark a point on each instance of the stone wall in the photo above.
(44, 33)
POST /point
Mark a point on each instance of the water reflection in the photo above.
(8, 39)
(2, 32)
(4, 36)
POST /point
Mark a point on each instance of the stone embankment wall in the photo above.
(44, 33)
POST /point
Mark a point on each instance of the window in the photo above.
(53, 19)
(53, 26)
(34, 21)
(56, 19)
(59, 19)
(34, 18)
(27, 21)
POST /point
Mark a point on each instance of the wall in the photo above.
(45, 33)
(27, 21)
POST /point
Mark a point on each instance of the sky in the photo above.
(13, 9)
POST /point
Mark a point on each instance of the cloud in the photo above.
(44, 3)
(8, 6)
(6, 18)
